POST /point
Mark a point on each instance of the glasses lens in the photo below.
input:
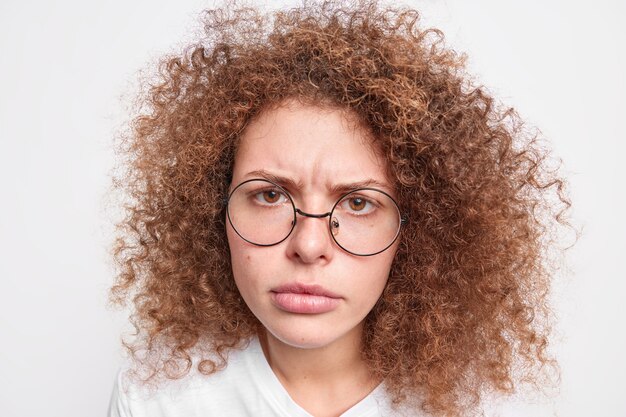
(261, 212)
(365, 222)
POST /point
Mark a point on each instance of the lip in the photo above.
(304, 299)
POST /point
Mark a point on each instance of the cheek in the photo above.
(378, 281)
(239, 258)
(239, 249)
(379, 270)
(369, 275)
(251, 267)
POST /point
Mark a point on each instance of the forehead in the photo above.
(316, 147)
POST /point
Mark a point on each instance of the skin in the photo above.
(315, 356)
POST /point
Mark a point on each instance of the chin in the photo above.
(304, 341)
(301, 336)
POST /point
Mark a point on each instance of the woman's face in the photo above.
(306, 290)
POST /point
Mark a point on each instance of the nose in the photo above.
(310, 241)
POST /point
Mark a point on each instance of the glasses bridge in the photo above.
(315, 216)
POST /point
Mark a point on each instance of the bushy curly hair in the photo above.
(465, 309)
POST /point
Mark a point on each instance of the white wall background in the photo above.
(64, 67)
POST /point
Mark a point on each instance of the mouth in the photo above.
(304, 299)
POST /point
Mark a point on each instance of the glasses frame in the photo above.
(296, 211)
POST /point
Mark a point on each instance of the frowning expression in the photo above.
(306, 290)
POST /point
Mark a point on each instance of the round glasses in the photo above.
(363, 222)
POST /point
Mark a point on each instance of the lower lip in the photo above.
(304, 303)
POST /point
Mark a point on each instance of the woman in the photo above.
(328, 219)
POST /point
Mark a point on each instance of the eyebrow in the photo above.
(278, 179)
(335, 189)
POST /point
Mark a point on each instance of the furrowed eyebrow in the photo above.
(335, 189)
(278, 179)
(347, 187)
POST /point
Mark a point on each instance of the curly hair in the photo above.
(465, 308)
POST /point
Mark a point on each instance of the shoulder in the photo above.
(194, 394)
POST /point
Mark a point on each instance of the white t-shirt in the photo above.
(246, 387)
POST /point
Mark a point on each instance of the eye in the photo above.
(357, 205)
(270, 197)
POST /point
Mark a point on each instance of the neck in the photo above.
(336, 371)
